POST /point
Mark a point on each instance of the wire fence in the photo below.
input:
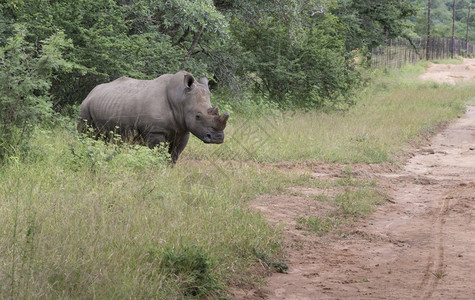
(399, 52)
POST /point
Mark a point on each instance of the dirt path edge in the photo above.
(417, 245)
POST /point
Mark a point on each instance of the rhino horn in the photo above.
(221, 121)
(224, 117)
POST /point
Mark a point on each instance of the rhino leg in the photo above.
(85, 121)
(177, 146)
(155, 139)
(87, 127)
(82, 126)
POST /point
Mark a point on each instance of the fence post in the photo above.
(391, 55)
(405, 53)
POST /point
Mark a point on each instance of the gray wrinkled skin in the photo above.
(152, 112)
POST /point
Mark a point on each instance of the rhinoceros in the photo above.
(153, 112)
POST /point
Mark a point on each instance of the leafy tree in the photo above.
(104, 49)
(295, 54)
(25, 79)
(370, 24)
(142, 39)
(441, 19)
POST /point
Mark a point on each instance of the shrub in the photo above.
(94, 154)
(306, 67)
(25, 79)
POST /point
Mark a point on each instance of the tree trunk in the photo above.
(466, 34)
(453, 30)
(428, 31)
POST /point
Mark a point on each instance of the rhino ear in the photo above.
(189, 80)
(204, 81)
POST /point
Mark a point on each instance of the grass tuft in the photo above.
(357, 203)
(192, 267)
(320, 225)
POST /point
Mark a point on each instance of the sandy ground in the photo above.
(419, 244)
(450, 73)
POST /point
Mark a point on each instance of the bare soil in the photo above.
(446, 73)
(419, 244)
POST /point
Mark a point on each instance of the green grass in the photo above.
(320, 225)
(359, 198)
(456, 60)
(394, 110)
(357, 203)
(80, 219)
(108, 229)
(470, 101)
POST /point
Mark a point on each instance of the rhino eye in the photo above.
(198, 117)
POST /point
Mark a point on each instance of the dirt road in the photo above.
(452, 74)
(420, 244)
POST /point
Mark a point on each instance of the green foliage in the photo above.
(192, 16)
(25, 80)
(106, 44)
(328, 76)
(95, 154)
(368, 24)
(295, 53)
(441, 19)
(193, 267)
(300, 65)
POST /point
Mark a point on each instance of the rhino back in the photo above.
(128, 103)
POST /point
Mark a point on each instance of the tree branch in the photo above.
(196, 39)
(182, 38)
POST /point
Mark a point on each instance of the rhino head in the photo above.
(201, 119)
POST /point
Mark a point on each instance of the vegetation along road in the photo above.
(417, 244)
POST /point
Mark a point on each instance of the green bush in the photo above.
(303, 67)
(140, 39)
(98, 154)
(25, 80)
(297, 53)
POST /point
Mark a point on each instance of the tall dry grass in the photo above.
(103, 227)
